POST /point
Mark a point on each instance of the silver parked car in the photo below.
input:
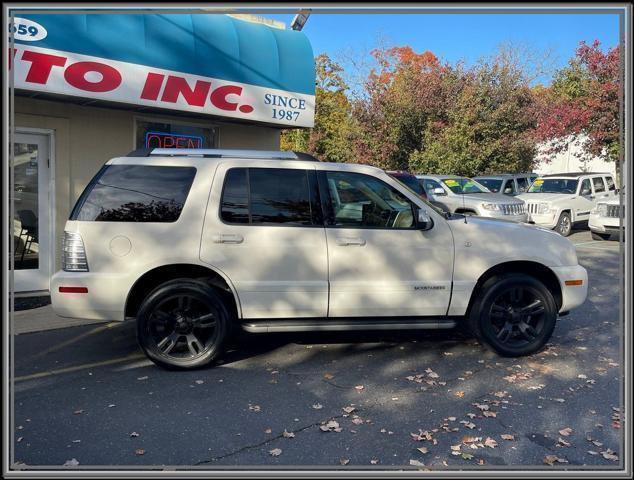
(507, 183)
(467, 196)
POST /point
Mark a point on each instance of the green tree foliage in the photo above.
(331, 137)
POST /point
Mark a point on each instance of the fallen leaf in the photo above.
(507, 437)
(455, 448)
(19, 439)
(288, 434)
(276, 452)
(452, 419)
(357, 420)
(423, 450)
(139, 451)
(470, 425)
(344, 461)
(551, 459)
(112, 405)
(610, 455)
(374, 461)
(143, 378)
(255, 408)
(565, 431)
(348, 409)
(78, 412)
(466, 456)
(318, 406)
(592, 452)
(134, 434)
(431, 373)
(199, 382)
(359, 388)
(481, 406)
(459, 394)
(561, 441)
(329, 376)
(489, 442)
(416, 463)
(331, 426)
(490, 414)
(71, 463)
(268, 430)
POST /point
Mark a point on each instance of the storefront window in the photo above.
(173, 135)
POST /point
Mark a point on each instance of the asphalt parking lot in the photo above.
(86, 396)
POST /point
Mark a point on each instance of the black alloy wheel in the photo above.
(516, 316)
(182, 324)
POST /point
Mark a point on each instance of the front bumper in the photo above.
(105, 299)
(572, 296)
(601, 224)
(546, 220)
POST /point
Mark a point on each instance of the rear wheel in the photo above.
(183, 324)
(600, 236)
(564, 224)
(515, 315)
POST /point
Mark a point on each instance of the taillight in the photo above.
(73, 253)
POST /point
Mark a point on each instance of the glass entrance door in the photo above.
(31, 235)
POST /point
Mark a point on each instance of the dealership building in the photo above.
(92, 87)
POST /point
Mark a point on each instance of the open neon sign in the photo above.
(171, 140)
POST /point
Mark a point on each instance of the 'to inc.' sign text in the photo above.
(66, 73)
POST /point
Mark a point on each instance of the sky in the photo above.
(455, 37)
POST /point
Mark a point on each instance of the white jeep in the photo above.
(559, 201)
(194, 243)
(606, 219)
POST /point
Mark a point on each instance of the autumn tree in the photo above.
(488, 128)
(331, 137)
(583, 102)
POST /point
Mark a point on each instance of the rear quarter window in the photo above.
(135, 193)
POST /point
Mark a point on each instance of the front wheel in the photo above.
(515, 315)
(564, 224)
(182, 324)
(600, 236)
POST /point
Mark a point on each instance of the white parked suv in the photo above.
(467, 196)
(560, 200)
(605, 219)
(194, 243)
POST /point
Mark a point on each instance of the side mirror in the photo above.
(508, 190)
(439, 191)
(585, 192)
(423, 220)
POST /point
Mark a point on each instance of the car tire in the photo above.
(514, 315)
(183, 324)
(600, 236)
(564, 224)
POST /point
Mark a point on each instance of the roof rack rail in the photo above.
(219, 153)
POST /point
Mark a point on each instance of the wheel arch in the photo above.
(161, 274)
(534, 269)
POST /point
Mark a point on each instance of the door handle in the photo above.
(227, 238)
(344, 242)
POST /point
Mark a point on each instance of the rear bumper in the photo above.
(572, 295)
(104, 300)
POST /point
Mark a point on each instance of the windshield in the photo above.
(491, 183)
(460, 185)
(553, 185)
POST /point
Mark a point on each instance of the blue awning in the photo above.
(210, 45)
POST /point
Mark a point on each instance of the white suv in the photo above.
(561, 200)
(193, 243)
(606, 219)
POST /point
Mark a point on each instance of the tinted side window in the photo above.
(429, 185)
(611, 185)
(599, 186)
(279, 196)
(262, 196)
(522, 184)
(135, 193)
(363, 201)
(235, 197)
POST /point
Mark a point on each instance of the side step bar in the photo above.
(346, 324)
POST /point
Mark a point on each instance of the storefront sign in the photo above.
(172, 140)
(65, 73)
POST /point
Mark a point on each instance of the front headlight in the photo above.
(543, 208)
(491, 206)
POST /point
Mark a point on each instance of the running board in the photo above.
(346, 324)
